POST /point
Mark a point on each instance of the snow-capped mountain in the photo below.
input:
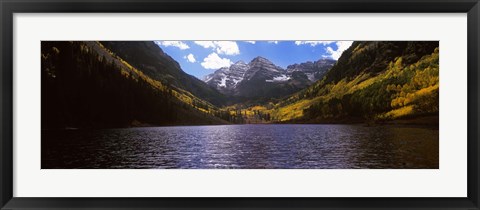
(226, 79)
(262, 78)
(262, 69)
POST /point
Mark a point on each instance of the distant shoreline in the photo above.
(423, 121)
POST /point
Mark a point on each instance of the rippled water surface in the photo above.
(243, 146)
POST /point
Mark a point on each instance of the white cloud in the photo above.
(273, 42)
(213, 61)
(251, 42)
(221, 47)
(205, 44)
(190, 58)
(181, 45)
(314, 43)
(227, 48)
(341, 46)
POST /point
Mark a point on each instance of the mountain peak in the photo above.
(263, 63)
(226, 79)
(260, 59)
(240, 62)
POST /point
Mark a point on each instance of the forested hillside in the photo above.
(372, 81)
(156, 64)
(84, 85)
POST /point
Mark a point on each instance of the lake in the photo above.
(259, 146)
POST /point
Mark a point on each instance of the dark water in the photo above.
(243, 146)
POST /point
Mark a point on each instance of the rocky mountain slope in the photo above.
(226, 79)
(313, 70)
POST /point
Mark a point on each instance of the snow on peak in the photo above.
(223, 81)
(281, 78)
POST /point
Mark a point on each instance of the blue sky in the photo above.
(200, 58)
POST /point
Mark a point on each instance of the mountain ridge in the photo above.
(262, 78)
(372, 81)
(154, 62)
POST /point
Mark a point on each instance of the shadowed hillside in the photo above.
(83, 85)
(151, 60)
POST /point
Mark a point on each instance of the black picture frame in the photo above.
(10, 7)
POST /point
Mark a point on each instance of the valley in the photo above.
(127, 84)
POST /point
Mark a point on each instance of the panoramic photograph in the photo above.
(240, 104)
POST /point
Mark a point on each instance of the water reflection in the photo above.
(243, 146)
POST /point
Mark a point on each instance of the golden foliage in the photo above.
(409, 89)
